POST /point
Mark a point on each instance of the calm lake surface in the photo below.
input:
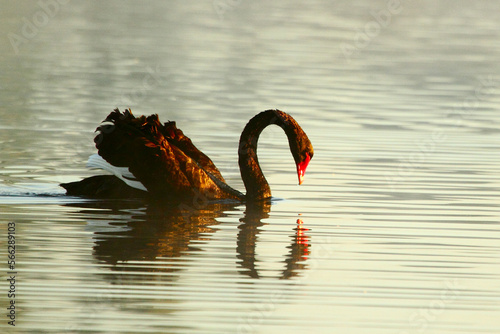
(396, 228)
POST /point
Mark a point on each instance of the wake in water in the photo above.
(35, 194)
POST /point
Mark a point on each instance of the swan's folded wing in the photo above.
(161, 166)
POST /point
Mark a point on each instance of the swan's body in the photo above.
(150, 159)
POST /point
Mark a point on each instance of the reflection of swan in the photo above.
(247, 242)
(150, 159)
(169, 232)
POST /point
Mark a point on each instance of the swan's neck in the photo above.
(255, 183)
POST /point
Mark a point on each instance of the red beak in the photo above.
(301, 168)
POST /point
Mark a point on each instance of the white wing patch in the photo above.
(123, 173)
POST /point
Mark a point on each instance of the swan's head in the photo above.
(302, 152)
(300, 145)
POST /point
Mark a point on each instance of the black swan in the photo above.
(150, 159)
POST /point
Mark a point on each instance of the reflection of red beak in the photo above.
(301, 168)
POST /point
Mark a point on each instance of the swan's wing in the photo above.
(123, 173)
(148, 150)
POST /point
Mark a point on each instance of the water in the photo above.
(395, 230)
